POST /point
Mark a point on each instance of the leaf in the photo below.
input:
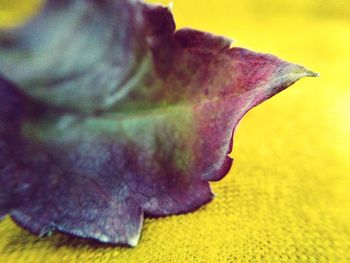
(108, 114)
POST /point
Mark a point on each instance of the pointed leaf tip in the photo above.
(313, 74)
(303, 72)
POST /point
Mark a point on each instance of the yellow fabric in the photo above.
(287, 196)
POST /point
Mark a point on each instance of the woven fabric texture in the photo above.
(287, 197)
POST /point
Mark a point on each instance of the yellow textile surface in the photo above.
(287, 197)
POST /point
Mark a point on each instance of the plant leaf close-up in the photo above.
(108, 114)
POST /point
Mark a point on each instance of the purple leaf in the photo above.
(108, 114)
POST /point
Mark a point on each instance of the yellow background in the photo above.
(287, 196)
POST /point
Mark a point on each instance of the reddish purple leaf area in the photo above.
(107, 115)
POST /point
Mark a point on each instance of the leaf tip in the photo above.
(310, 73)
(298, 72)
(288, 74)
(314, 74)
(170, 6)
(133, 240)
(133, 237)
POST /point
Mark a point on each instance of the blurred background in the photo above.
(287, 197)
